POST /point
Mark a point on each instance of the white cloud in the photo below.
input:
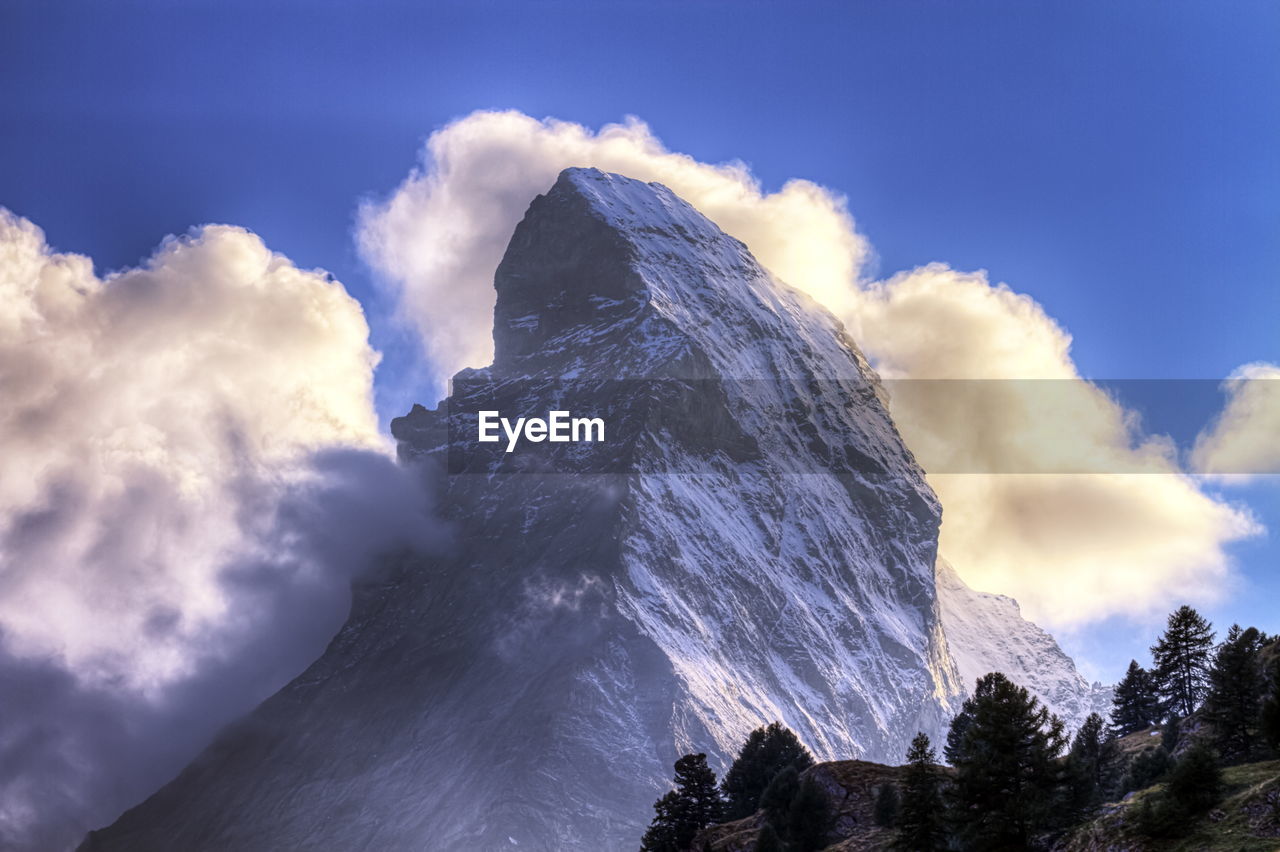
(139, 410)
(191, 475)
(1110, 538)
(1245, 439)
(1072, 548)
(440, 235)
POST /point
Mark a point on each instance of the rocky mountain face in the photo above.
(751, 542)
(986, 632)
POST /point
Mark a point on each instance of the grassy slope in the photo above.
(1248, 820)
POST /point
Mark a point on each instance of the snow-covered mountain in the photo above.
(986, 632)
(753, 541)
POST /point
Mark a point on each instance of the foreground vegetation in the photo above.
(1247, 819)
(1186, 761)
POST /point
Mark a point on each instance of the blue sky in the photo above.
(1117, 161)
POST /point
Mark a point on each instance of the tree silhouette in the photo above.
(682, 813)
(1234, 701)
(920, 825)
(1182, 660)
(1091, 765)
(1270, 717)
(767, 751)
(1007, 774)
(1136, 704)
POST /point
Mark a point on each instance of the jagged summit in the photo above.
(607, 277)
(753, 543)
(599, 252)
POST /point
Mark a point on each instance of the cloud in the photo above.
(439, 237)
(1243, 442)
(192, 474)
(75, 751)
(1073, 548)
(993, 399)
(134, 406)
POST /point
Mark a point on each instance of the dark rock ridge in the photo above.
(753, 542)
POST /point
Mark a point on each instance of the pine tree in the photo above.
(797, 810)
(1182, 660)
(686, 810)
(766, 752)
(1195, 783)
(663, 833)
(1269, 722)
(777, 797)
(951, 750)
(886, 806)
(1193, 786)
(920, 826)
(1136, 705)
(696, 784)
(1090, 765)
(1007, 773)
(808, 818)
(1148, 768)
(1235, 694)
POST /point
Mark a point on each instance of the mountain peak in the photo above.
(603, 251)
(760, 547)
(628, 204)
(606, 259)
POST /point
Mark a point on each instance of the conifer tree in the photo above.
(1007, 775)
(696, 784)
(1235, 694)
(808, 818)
(951, 750)
(1195, 782)
(1269, 722)
(961, 720)
(663, 833)
(797, 810)
(683, 812)
(1148, 768)
(1182, 660)
(1192, 786)
(1136, 705)
(777, 797)
(1090, 762)
(767, 751)
(920, 827)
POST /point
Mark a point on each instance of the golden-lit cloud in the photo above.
(1245, 439)
(438, 238)
(995, 407)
